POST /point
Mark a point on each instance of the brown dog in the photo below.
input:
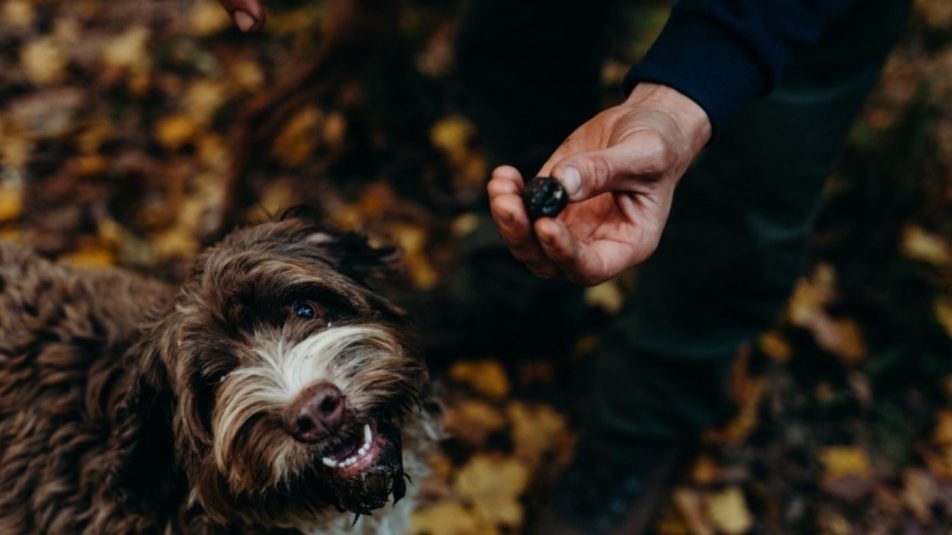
(273, 392)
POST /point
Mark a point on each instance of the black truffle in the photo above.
(544, 197)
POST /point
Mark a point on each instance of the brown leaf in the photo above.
(919, 493)
(473, 421)
(690, 505)
(484, 376)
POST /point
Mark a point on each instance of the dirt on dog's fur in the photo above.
(127, 405)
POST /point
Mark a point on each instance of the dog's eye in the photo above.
(305, 311)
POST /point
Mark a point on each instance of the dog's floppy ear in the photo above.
(355, 257)
(144, 475)
(350, 252)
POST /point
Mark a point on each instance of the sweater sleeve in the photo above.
(723, 53)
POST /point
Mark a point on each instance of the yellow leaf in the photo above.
(11, 200)
(920, 244)
(536, 429)
(335, 130)
(840, 336)
(206, 18)
(840, 461)
(18, 14)
(203, 99)
(127, 50)
(493, 486)
(775, 346)
(296, 142)
(484, 376)
(606, 296)
(943, 313)
(174, 131)
(705, 471)
(942, 434)
(452, 135)
(245, 74)
(919, 493)
(690, 505)
(472, 421)
(91, 255)
(449, 518)
(728, 511)
(465, 224)
(43, 61)
(811, 295)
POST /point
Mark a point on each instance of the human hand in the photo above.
(620, 170)
(248, 15)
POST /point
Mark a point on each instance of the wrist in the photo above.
(690, 118)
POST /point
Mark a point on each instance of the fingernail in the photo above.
(571, 180)
(243, 20)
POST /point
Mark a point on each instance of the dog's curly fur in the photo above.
(129, 406)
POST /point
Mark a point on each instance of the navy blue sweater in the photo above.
(722, 53)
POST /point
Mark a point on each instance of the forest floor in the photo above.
(117, 127)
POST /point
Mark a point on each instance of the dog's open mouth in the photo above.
(356, 454)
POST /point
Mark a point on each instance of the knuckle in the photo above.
(600, 167)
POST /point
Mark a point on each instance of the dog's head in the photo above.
(284, 377)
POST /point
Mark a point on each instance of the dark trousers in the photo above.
(734, 243)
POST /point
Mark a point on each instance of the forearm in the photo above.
(722, 54)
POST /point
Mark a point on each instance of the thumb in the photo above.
(587, 174)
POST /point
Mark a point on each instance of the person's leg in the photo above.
(727, 262)
(734, 243)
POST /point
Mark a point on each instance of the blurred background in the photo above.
(132, 131)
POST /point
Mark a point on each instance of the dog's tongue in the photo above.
(343, 450)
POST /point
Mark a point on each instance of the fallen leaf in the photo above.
(727, 511)
(942, 434)
(174, 131)
(705, 471)
(44, 61)
(775, 346)
(493, 486)
(943, 314)
(11, 198)
(690, 505)
(206, 18)
(18, 14)
(841, 461)
(919, 493)
(472, 421)
(840, 336)
(296, 142)
(486, 377)
(919, 244)
(606, 296)
(449, 518)
(811, 295)
(536, 429)
(452, 136)
(128, 50)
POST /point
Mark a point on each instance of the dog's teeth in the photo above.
(330, 463)
(368, 435)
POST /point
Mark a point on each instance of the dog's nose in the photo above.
(317, 412)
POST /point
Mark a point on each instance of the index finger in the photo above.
(248, 15)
